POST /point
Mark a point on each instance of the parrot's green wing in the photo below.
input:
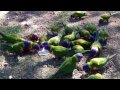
(90, 27)
(59, 51)
(66, 67)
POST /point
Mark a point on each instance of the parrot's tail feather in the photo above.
(110, 57)
(86, 51)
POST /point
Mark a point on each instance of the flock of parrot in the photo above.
(68, 44)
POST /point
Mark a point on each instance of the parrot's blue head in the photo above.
(92, 39)
(86, 67)
(44, 44)
(94, 51)
(102, 42)
(54, 34)
(37, 47)
(66, 44)
(95, 34)
(26, 43)
(47, 47)
(79, 56)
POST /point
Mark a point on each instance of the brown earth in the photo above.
(38, 67)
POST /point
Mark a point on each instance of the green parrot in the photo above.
(96, 49)
(55, 40)
(90, 27)
(97, 63)
(58, 51)
(67, 66)
(105, 17)
(22, 46)
(78, 14)
(68, 30)
(84, 34)
(77, 49)
(82, 42)
(11, 38)
(70, 37)
(96, 76)
(103, 36)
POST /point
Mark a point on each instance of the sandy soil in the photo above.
(38, 67)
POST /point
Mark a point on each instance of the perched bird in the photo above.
(103, 34)
(70, 37)
(82, 42)
(57, 51)
(67, 29)
(33, 37)
(97, 63)
(11, 38)
(96, 76)
(67, 66)
(90, 27)
(84, 33)
(20, 47)
(78, 14)
(96, 49)
(105, 17)
(77, 49)
(55, 40)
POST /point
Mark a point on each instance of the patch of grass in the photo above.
(11, 29)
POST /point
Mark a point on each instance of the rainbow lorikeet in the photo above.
(97, 63)
(11, 38)
(67, 66)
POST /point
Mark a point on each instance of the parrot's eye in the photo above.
(79, 56)
(86, 67)
(26, 43)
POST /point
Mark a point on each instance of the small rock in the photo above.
(10, 77)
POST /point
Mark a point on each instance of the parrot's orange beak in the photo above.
(95, 68)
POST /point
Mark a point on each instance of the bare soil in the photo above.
(40, 67)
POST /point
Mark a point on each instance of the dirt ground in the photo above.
(40, 67)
